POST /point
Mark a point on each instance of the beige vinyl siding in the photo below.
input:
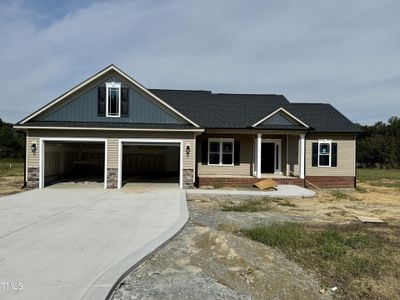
(112, 140)
(112, 153)
(246, 157)
(189, 160)
(32, 157)
(346, 144)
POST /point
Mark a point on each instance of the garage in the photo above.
(73, 161)
(150, 162)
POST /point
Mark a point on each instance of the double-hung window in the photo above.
(113, 99)
(220, 151)
(324, 153)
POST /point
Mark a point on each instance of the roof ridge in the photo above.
(249, 94)
(216, 93)
(177, 90)
(310, 103)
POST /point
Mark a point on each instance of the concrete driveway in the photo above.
(68, 242)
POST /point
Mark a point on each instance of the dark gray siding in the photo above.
(83, 108)
(280, 119)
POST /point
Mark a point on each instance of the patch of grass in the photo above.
(11, 167)
(378, 174)
(338, 194)
(361, 189)
(342, 255)
(386, 183)
(288, 236)
(249, 206)
(285, 203)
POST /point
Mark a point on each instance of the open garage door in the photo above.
(73, 161)
(150, 162)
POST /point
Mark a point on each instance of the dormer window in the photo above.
(113, 99)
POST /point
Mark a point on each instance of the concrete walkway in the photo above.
(283, 191)
(65, 242)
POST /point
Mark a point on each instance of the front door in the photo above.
(267, 157)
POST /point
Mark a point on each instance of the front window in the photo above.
(220, 152)
(113, 99)
(324, 157)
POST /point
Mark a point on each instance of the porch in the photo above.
(243, 158)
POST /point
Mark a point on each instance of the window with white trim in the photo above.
(220, 151)
(113, 99)
(324, 153)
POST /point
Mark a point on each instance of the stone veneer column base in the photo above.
(187, 178)
(112, 178)
(33, 178)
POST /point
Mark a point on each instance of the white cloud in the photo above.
(341, 52)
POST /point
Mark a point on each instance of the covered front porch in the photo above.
(254, 156)
(279, 155)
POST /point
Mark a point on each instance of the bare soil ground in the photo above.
(341, 206)
(11, 185)
(210, 260)
(11, 176)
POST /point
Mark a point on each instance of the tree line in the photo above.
(379, 145)
(12, 141)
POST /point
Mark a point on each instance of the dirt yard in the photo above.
(212, 258)
(11, 177)
(10, 185)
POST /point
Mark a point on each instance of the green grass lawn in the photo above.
(380, 177)
(249, 206)
(352, 257)
(11, 167)
(378, 174)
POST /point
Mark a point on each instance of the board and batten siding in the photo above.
(246, 157)
(112, 137)
(346, 155)
(82, 107)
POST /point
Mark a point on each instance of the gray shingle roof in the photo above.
(211, 110)
(322, 117)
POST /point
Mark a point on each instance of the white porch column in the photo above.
(302, 158)
(259, 135)
(287, 155)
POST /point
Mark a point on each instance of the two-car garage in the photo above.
(83, 160)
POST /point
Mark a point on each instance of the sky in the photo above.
(346, 53)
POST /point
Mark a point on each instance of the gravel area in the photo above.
(209, 260)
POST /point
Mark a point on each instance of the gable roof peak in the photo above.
(94, 77)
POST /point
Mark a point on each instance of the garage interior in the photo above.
(152, 163)
(75, 162)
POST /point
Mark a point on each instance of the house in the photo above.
(112, 127)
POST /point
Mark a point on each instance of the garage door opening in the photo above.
(74, 162)
(150, 163)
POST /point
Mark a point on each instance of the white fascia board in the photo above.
(275, 112)
(101, 128)
(94, 77)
